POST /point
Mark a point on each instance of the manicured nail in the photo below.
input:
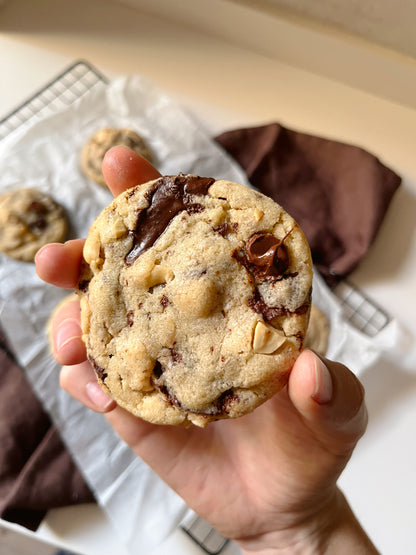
(97, 396)
(323, 383)
(68, 330)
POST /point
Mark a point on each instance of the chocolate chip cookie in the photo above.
(195, 297)
(29, 219)
(93, 153)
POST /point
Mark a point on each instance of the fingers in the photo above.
(59, 263)
(80, 382)
(123, 168)
(330, 399)
(66, 334)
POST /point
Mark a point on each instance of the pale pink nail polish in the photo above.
(323, 383)
(97, 396)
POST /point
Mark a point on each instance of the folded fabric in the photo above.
(337, 193)
(36, 471)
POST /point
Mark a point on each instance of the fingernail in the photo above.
(97, 396)
(68, 330)
(323, 383)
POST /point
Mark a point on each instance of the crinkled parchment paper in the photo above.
(45, 155)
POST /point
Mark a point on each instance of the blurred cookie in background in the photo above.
(93, 153)
(29, 219)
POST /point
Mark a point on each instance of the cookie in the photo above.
(29, 219)
(195, 297)
(317, 336)
(92, 154)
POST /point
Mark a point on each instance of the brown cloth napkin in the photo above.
(337, 193)
(36, 471)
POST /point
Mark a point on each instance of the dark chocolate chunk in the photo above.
(169, 196)
(84, 285)
(171, 399)
(266, 256)
(222, 229)
(157, 370)
(36, 220)
(176, 357)
(130, 318)
(221, 404)
(269, 313)
(164, 301)
(38, 207)
(225, 399)
(100, 372)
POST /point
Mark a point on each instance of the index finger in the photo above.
(123, 168)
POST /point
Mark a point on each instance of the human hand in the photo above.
(268, 479)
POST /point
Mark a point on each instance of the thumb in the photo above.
(330, 399)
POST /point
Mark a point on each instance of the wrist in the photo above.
(333, 530)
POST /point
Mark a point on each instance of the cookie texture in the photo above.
(29, 219)
(94, 151)
(317, 336)
(195, 298)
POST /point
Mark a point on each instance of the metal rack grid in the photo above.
(66, 88)
(359, 310)
(208, 539)
(73, 83)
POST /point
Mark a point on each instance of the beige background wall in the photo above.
(390, 23)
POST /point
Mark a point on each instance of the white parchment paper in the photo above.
(45, 155)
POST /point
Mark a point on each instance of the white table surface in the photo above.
(227, 86)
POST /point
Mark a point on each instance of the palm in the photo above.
(225, 474)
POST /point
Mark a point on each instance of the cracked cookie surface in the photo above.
(195, 298)
(29, 219)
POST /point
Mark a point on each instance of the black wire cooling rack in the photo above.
(78, 80)
(359, 310)
(73, 83)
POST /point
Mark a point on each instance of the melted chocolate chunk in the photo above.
(266, 256)
(169, 196)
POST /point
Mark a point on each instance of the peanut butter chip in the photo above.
(159, 275)
(266, 339)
